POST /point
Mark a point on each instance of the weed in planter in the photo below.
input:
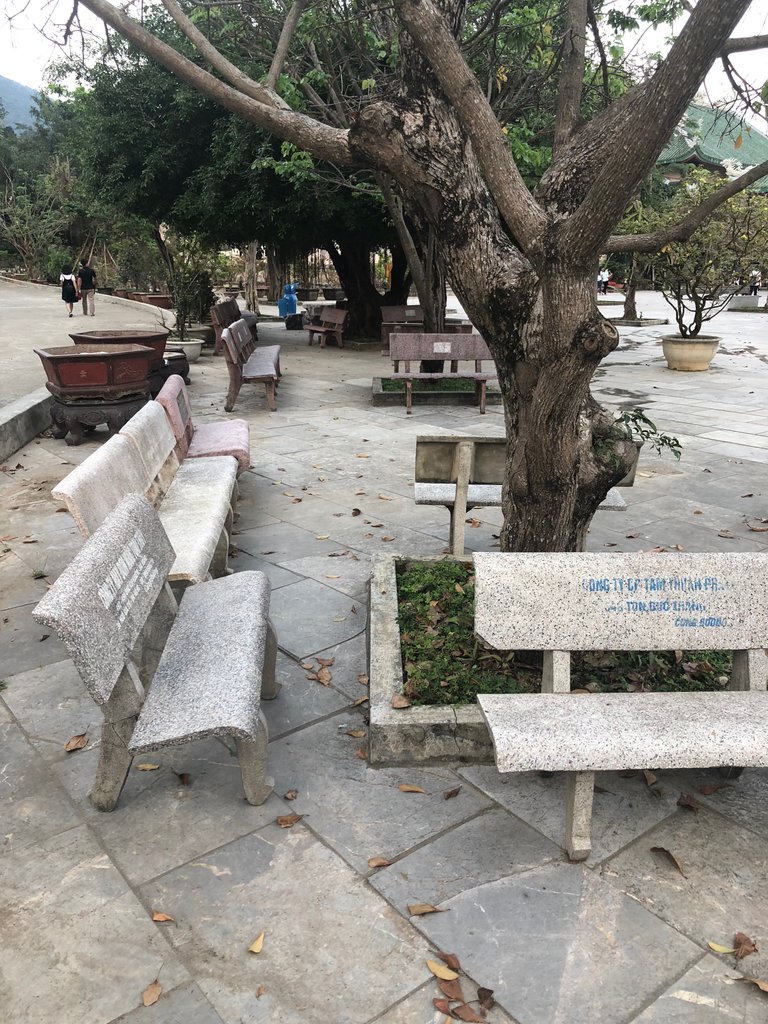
(445, 663)
(462, 386)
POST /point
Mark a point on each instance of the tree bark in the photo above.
(630, 289)
(277, 272)
(350, 259)
(252, 253)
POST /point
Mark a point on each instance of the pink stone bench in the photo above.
(224, 437)
(408, 348)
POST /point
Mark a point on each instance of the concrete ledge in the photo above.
(23, 419)
(411, 736)
(397, 398)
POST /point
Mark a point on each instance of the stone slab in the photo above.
(708, 993)
(185, 1005)
(344, 571)
(419, 1009)
(558, 944)
(586, 601)
(333, 951)
(26, 644)
(23, 419)
(301, 700)
(357, 810)
(71, 923)
(52, 706)
(20, 586)
(309, 617)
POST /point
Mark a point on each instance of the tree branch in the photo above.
(682, 231)
(601, 51)
(568, 107)
(326, 143)
(431, 34)
(283, 43)
(746, 43)
(219, 62)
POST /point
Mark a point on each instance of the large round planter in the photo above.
(201, 332)
(689, 354)
(191, 348)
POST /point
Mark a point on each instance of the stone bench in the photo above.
(224, 314)
(462, 473)
(195, 499)
(393, 315)
(202, 440)
(163, 673)
(248, 364)
(331, 325)
(558, 603)
(408, 348)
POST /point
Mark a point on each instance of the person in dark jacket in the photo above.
(86, 285)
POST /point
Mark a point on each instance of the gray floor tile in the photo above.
(300, 700)
(709, 993)
(559, 945)
(358, 810)
(346, 572)
(185, 1005)
(25, 644)
(53, 705)
(349, 661)
(19, 584)
(310, 617)
(278, 577)
(77, 944)
(285, 542)
(333, 950)
(419, 1009)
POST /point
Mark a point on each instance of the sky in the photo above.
(25, 51)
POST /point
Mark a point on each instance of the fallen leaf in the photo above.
(485, 998)
(76, 742)
(383, 497)
(387, 539)
(361, 754)
(449, 794)
(378, 862)
(312, 676)
(146, 767)
(406, 787)
(465, 1012)
(328, 577)
(324, 676)
(160, 917)
(442, 1005)
(362, 679)
(762, 985)
(650, 778)
(664, 852)
(257, 944)
(474, 523)
(631, 536)
(749, 494)
(151, 993)
(744, 945)
(356, 512)
(325, 662)
(451, 960)
(400, 701)
(260, 991)
(359, 701)
(184, 778)
(363, 455)
(288, 494)
(714, 787)
(686, 800)
(288, 820)
(698, 512)
(727, 534)
(306, 665)
(321, 536)
(756, 529)
(441, 971)
(291, 794)
(717, 948)
(452, 989)
(356, 734)
(419, 909)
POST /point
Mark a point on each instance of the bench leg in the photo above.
(220, 560)
(114, 763)
(252, 755)
(339, 339)
(579, 789)
(409, 397)
(271, 397)
(269, 684)
(235, 383)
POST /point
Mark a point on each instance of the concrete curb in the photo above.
(23, 419)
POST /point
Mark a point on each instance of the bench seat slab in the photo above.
(482, 495)
(225, 437)
(602, 732)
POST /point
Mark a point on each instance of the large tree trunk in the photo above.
(351, 260)
(252, 259)
(277, 272)
(630, 289)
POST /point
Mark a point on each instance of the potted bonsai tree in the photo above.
(698, 277)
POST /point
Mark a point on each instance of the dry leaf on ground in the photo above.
(184, 778)
(356, 734)
(449, 794)
(406, 787)
(361, 754)
(363, 679)
(441, 971)
(465, 1012)
(76, 742)
(151, 993)
(359, 701)
(762, 985)
(288, 820)
(378, 862)
(324, 676)
(451, 960)
(146, 767)
(420, 909)
(485, 998)
(452, 989)
(650, 778)
(442, 1005)
(716, 947)
(744, 945)
(160, 917)
(306, 665)
(257, 944)
(291, 794)
(325, 662)
(664, 852)
(714, 787)
(689, 802)
(400, 701)
(260, 991)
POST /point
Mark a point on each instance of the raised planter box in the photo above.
(152, 339)
(86, 370)
(397, 398)
(416, 735)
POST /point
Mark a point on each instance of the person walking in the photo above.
(68, 287)
(755, 280)
(86, 284)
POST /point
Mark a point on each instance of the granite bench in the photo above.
(202, 440)
(462, 473)
(408, 348)
(163, 673)
(195, 499)
(248, 364)
(558, 603)
(331, 325)
(224, 314)
(392, 315)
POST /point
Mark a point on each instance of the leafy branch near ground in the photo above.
(445, 663)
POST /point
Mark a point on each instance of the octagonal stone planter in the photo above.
(415, 735)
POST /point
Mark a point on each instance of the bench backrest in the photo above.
(150, 433)
(225, 313)
(174, 400)
(419, 329)
(409, 347)
(402, 314)
(437, 459)
(97, 486)
(100, 603)
(238, 342)
(333, 317)
(636, 602)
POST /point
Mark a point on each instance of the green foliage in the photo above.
(645, 432)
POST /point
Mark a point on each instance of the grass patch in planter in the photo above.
(423, 386)
(445, 663)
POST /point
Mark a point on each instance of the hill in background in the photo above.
(18, 101)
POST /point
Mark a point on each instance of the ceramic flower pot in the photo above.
(689, 354)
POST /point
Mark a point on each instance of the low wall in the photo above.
(22, 420)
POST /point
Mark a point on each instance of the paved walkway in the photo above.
(622, 938)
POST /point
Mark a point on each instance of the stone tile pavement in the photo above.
(622, 938)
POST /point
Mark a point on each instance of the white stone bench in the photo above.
(558, 603)
(162, 673)
(195, 499)
(462, 473)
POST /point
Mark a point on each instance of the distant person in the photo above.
(755, 280)
(86, 283)
(68, 287)
(603, 278)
